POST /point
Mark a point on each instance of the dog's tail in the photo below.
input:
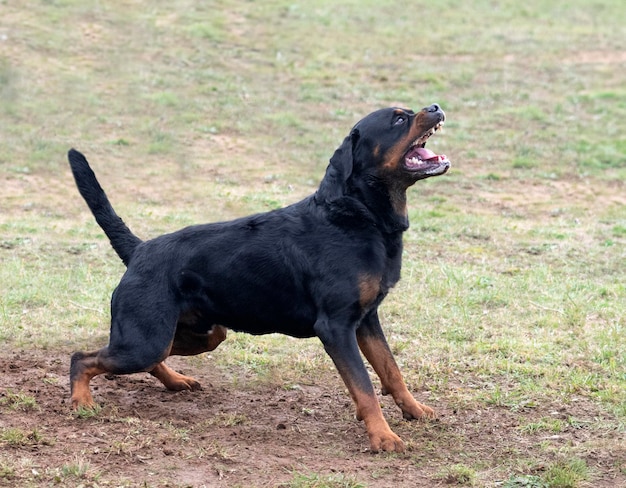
(122, 239)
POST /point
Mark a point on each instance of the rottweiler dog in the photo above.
(319, 267)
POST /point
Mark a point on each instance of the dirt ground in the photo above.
(249, 434)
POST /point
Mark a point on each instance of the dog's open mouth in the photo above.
(420, 159)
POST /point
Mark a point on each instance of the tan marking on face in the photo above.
(369, 288)
(394, 156)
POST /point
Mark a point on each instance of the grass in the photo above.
(19, 401)
(513, 293)
(315, 480)
(79, 469)
(566, 474)
(458, 474)
(16, 437)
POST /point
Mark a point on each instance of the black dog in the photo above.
(319, 267)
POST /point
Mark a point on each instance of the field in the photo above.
(509, 319)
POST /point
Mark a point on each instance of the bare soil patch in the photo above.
(240, 433)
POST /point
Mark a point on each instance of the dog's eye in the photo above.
(400, 119)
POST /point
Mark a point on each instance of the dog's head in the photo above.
(386, 152)
(391, 143)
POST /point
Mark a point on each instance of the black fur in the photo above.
(122, 239)
(319, 267)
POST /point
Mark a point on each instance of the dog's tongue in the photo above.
(426, 154)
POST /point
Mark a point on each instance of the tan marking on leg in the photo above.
(381, 437)
(189, 343)
(173, 380)
(216, 336)
(80, 377)
(379, 356)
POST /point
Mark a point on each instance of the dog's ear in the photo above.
(338, 172)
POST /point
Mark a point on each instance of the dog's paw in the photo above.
(181, 382)
(415, 410)
(83, 401)
(174, 381)
(385, 441)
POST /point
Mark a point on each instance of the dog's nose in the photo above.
(433, 108)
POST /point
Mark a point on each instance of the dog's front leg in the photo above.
(340, 343)
(372, 342)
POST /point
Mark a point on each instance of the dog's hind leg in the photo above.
(142, 332)
(83, 367)
(172, 380)
(187, 342)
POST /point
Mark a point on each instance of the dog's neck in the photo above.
(386, 203)
(367, 208)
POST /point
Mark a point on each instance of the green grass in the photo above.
(79, 469)
(16, 437)
(315, 480)
(513, 295)
(566, 474)
(458, 474)
(19, 401)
